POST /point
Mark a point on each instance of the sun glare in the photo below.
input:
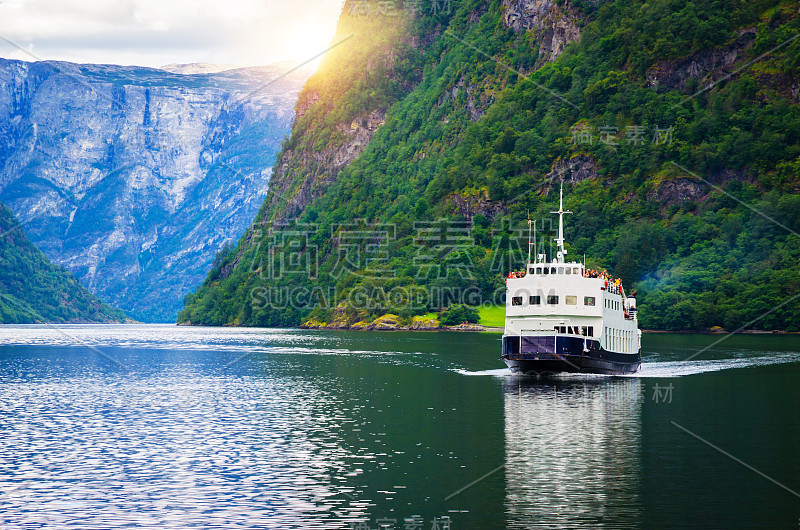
(297, 36)
(241, 32)
(310, 45)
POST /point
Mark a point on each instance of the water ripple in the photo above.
(207, 452)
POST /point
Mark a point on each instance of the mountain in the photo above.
(198, 68)
(134, 178)
(32, 289)
(429, 136)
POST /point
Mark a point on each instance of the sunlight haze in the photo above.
(155, 33)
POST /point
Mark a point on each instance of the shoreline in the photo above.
(491, 329)
(475, 328)
(725, 332)
(471, 328)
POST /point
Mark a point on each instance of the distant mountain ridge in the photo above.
(133, 178)
(198, 68)
(281, 67)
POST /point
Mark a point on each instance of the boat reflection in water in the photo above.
(573, 452)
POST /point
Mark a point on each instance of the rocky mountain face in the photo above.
(553, 24)
(704, 67)
(134, 178)
(328, 135)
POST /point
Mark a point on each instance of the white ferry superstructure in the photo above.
(561, 317)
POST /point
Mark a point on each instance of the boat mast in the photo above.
(560, 239)
(529, 238)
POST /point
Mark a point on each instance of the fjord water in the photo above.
(145, 426)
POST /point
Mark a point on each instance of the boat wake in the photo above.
(669, 368)
(498, 372)
(681, 368)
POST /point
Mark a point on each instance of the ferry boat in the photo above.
(561, 317)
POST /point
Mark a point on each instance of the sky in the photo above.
(159, 32)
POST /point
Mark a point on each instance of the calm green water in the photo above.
(159, 426)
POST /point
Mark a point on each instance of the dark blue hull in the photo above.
(554, 354)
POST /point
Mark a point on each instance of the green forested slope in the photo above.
(32, 289)
(674, 125)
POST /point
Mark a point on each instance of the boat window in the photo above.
(539, 270)
(576, 270)
(571, 300)
(516, 300)
(536, 300)
(588, 300)
(552, 270)
(552, 299)
(546, 270)
(532, 271)
(561, 270)
(568, 271)
(591, 331)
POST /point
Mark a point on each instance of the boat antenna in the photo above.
(560, 239)
(536, 258)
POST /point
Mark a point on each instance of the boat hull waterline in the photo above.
(554, 354)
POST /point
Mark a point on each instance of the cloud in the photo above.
(157, 32)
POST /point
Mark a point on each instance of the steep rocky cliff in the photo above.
(553, 24)
(340, 108)
(133, 178)
(704, 67)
